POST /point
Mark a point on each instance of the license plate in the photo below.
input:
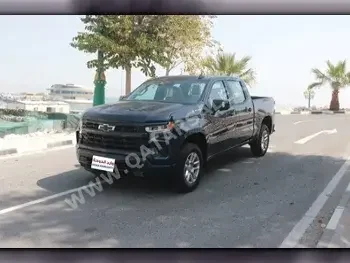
(103, 163)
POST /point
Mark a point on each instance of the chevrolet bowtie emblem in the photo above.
(106, 127)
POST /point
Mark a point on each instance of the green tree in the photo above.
(309, 94)
(187, 36)
(228, 64)
(125, 42)
(94, 41)
(336, 76)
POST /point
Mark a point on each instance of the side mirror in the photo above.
(221, 105)
(122, 97)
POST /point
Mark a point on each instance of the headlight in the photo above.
(80, 127)
(160, 128)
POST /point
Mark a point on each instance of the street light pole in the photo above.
(100, 82)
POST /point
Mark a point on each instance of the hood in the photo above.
(134, 111)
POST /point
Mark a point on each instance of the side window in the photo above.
(218, 91)
(236, 91)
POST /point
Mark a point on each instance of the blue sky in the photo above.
(35, 53)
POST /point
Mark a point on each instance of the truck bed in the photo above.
(259, 97)
(263, 104)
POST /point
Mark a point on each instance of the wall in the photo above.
(33, 126)
(15, 105)
(3, 104)
(79, 106)
(37, 121)
(12, 128)
(41, 125)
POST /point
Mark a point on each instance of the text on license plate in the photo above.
(103, 163)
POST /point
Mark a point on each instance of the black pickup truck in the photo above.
(171, 126)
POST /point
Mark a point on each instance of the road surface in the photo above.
(284, 199)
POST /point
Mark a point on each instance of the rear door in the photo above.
(243, 106)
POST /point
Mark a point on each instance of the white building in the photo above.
(79, 98)
(78, 106)
(70, 92)
(42, 106)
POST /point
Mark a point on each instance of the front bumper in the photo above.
(147, 168)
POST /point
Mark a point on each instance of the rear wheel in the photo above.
(261, 143)
(188, 169)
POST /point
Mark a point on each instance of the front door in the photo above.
(217, 122)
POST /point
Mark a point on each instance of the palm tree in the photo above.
(309, 94)
(336, 76)
(227, 64)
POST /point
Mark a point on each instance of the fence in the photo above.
(24, 122)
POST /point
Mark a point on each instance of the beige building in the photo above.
(31, 96)
(42, 106)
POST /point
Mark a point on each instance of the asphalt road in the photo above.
(241, 201)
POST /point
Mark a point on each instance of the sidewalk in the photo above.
(35, 142)
(337, 231)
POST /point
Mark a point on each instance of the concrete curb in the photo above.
(311, 112)
(59, 143)
(50, 145)
(8, 151)
(328, 112)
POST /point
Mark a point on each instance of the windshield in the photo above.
(187, 91)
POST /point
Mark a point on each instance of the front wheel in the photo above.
(188, 169)
(261, 143)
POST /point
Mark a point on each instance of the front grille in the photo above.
(118, 128)
(113, 142)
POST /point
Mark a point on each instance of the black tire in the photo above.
(256, 146)
(181, 184)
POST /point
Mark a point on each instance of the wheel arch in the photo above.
(199, 139)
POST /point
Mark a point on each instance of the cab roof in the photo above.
(192, 77)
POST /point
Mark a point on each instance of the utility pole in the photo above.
(309, 94)
(100, 78)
